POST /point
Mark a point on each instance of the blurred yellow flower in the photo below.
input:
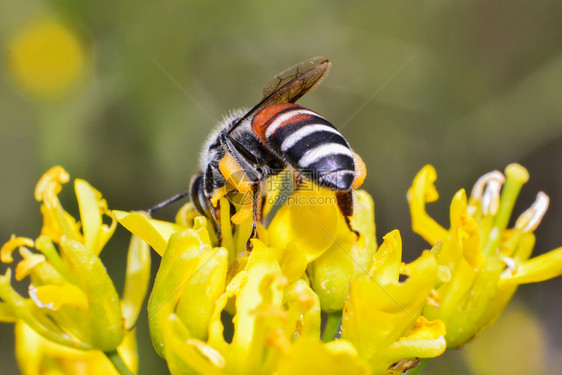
(517, 334)
(72, 302)
(486, 261)
(47, 58)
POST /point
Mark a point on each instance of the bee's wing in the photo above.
(289, 85)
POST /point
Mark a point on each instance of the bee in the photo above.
(248, 147)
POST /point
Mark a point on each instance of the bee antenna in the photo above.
(167, 202)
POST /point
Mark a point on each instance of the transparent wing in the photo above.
(289, 85)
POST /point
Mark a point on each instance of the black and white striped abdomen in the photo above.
(308, 142)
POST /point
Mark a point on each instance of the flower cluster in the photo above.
(311, 296)
(73, 314)
(486, 260)
(306, 262)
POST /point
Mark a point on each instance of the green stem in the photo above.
(118, 363)
(332, 326)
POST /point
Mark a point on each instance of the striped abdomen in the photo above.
(308, 142)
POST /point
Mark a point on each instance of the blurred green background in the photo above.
(123, 94)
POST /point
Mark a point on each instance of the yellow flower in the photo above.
(197, 282)
(307, 260)
(347, 257)
(486, 261)
(37, 355)
(382, 315)
(72, 301)
(47, 57)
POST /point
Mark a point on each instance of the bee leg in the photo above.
(297, 180)
(256, 200)
(345, 204)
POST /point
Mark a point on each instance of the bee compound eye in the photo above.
(196, 194)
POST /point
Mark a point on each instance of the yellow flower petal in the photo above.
(28, 349)
(6, 313)
(37, 355)
(92, 208)
(188, 355)
(45, 245)
(303, 310)
(310, 219)
(56, 221)
(423, 191)
(128, 351)
(291, 260)
(14, 243)
(226, 230)
(186, 214)
(263, 288)
(216, 328)
(137, 279)
(104, 307)
(388, 258)
(463, 240)
(55, 296)
(27, 310)
(425, 340)
(380, 309)
(200, 292)
(155, 232)
(50, 185)
(540, 268)
(309, 356)
(36, 266)
(178, 265)
(348, 256)
(26, 266)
